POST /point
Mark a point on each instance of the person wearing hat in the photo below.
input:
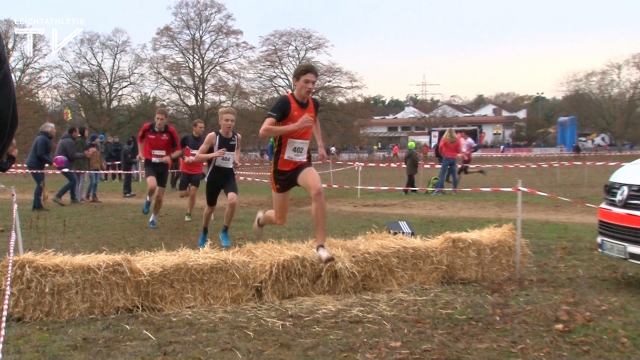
(411, 161)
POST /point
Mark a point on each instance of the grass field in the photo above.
(572, 302)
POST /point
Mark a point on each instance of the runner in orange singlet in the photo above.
(292, 121)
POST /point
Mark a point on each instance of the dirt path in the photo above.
(560, 212)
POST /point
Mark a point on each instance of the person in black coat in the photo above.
(127, 161)
(134, 150)
(38, 158)
(116, 149)
(8, 110)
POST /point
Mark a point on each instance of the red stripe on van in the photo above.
(618, 218)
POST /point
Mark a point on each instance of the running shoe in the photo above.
(224, 239)
(203, 241)
(258, 229)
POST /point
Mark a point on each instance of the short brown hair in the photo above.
(196, 122)
(163, 111)
(304, 69)
(226, 111)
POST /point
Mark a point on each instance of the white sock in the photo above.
(153, 217)
(148, 198)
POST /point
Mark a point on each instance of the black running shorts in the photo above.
(218, 183)
(158, 170)
(285, 180)
(189, 179)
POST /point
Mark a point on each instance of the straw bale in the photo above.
(375, 262)
(54, 286)
(186, 279)
(387, 262)
(57, 286)
(480, 255)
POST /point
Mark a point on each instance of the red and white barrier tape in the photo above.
(395, 188)
(530, 165)
(536, 192)
(13, 171)
(521, 154)
(269, 174)
(7, 292)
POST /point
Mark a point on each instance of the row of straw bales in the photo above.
(58, 286)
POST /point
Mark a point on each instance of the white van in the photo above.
(619, 214)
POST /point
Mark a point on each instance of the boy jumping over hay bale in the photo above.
(292, 121)
(221, 149)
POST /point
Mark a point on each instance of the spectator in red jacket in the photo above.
(450, 149)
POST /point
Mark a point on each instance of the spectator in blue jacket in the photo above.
(67, 148)
(40, 156)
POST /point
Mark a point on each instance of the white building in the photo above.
(450, 110)
(408, 126)
(496, 110)
(409, 112)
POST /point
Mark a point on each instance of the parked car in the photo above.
(619, 214)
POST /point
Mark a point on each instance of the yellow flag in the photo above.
(66, 114)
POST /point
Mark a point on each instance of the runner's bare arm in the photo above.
(269, 128)
(317, 133)
(209, 142)
(238, 150)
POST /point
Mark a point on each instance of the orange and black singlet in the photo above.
(293, 149)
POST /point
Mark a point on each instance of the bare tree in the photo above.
(608, 99)
(197, 59)
(281, 51)
(29, 72)
(100, 72)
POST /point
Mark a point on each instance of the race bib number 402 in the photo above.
(296, 150)
(226, 160)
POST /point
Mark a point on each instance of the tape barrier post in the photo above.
(331, 168)
(519, 231)
(139, 171)
(359, 168)
(7, 287)
(17, 222)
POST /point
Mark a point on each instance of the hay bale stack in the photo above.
(55, 286)
(480, 255)
(187, 279)
(385, 262)
(375, 262)
(287, 270)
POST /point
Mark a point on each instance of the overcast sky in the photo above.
(468, 47)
